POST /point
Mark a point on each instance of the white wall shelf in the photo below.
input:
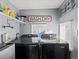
(12, 18)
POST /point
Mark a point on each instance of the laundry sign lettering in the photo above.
(39, 18)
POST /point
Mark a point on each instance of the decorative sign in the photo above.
(39, 18)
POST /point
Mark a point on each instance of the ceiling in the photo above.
(36, 4)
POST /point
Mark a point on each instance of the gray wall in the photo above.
(53, 25)
(25, 28)
(8, 53)
(72, 15)
(11, 32)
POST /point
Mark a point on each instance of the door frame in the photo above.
(64, 22)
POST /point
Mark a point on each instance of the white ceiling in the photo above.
(36, 4)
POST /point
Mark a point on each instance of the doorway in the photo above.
(66, 31)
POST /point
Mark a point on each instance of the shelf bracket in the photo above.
(7, 25)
